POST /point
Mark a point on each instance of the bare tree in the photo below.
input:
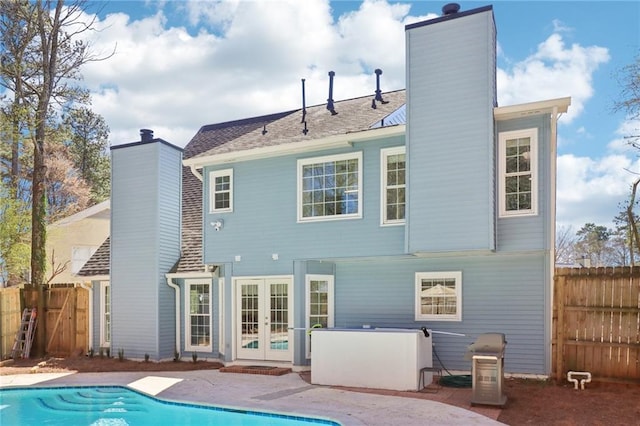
(565, 245)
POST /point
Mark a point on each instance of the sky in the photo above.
(175, 66)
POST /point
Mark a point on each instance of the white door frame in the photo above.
(266, 346)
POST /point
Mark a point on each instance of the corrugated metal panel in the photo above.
(398, 116)
(450, 140)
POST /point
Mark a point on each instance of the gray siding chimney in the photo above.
(451, 92)
(145, 244)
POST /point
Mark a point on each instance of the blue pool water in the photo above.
(120, 406)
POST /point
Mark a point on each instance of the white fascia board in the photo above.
(532, 108)
(335, 141)
(98, 208)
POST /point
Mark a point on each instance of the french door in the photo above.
(264, 309)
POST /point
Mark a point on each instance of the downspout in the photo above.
(195, 172)
(89, 288)
(552, 231)
(175, 286)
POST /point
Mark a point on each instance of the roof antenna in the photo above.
(305, 130)
(378, 97)
(304, 108)
(330, 100)
(264, 130)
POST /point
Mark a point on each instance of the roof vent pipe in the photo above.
(304, 107)
(146, 135)
(450, 8)
(378, 97)
(330, 100)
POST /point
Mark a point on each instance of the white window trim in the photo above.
(212, 190)
(187, 323)
(325, 159)
(384, 153)
(532, 134)
(457, 275)
(330, 302)
(103, 285)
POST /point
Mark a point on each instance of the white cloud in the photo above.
(590, 190)
(247, 58)
(553, 71)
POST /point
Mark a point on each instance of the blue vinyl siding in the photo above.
(264, 220)
(144, 246)
(450, 136)
(529, 232)
(382, 294)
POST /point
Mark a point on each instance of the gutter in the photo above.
(170, 283)
(89, 288)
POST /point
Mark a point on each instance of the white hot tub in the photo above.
(381, 358)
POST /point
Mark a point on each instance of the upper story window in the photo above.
(330, 187)
(79, 256)
(439, 296)
(393, 171)
(518, 173)
(221, 191)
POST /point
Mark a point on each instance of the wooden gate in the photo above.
(597, 322)
(67, 318)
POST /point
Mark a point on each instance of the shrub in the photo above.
(194, 356)
(146, 357)
(120, 354)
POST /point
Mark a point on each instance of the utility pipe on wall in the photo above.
(175, 286)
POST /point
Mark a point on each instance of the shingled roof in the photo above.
(208, 137)
(99, 263)
(354, 115)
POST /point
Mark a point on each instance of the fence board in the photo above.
(597, 322)
(10, 316)
(67, 325)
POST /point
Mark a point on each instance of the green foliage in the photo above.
(194, 356)
(120, 354)
(146, 357)
(15, 226)
(87, 148)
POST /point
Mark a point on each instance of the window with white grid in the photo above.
(393, 172)
(518, 170)
(198, 310)
(329, 187)
(221, 191)
(438, 296)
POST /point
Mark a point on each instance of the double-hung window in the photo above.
(393, 171)
(221, 191)
(518, 173)
(330, 187)
(105, 314)
(439, 296)
(319, 304)
(199, 316)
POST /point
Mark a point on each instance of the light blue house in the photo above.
(431, 206)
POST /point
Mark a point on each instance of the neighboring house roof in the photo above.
(99, 262)
(99, 211)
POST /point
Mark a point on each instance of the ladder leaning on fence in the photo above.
(24, 335)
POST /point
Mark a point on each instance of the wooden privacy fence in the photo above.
(67, 318)
(10, 315)
(596, 322)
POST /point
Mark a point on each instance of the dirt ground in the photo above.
(529, 402)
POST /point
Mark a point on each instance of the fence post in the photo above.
(559, 302)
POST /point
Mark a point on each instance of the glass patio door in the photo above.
(264, 309)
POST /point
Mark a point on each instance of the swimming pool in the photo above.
(120, 406)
